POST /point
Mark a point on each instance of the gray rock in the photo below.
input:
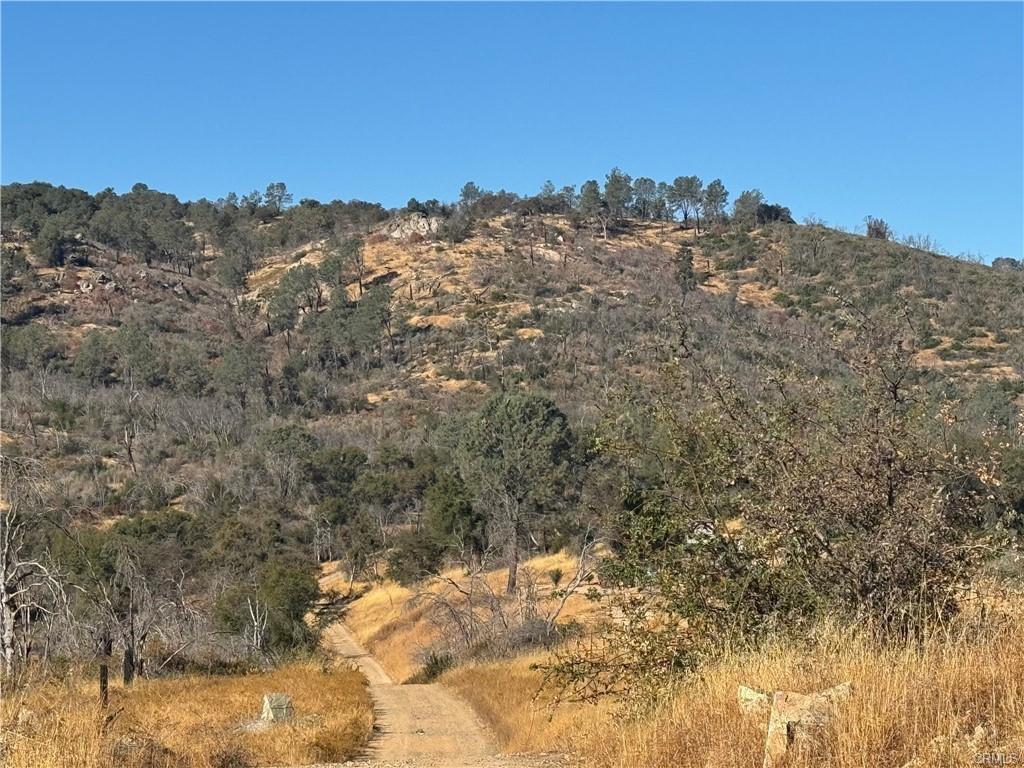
(795, 719)
(277, 708)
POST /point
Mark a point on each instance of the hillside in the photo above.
(547, 305)
(754, 435)
(555, 306)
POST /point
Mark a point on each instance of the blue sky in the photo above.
(912, 112)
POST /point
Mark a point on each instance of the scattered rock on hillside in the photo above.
(405, 227)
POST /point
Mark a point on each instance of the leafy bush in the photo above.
(758, 510)
(414, 556)
(30, 346)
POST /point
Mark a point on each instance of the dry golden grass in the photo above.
(397, 630)
(932, 359)
(915, 706)
(188, 722)
(755, 294)
(270, 274)
(507, 695)
(393, 632)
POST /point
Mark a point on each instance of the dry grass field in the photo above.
(949, 701)
(188, 722)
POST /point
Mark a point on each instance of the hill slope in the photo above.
(549, 305)
(199, 413)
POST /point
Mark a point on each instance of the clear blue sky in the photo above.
(912, 112)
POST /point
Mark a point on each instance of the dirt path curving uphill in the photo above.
(423, 726)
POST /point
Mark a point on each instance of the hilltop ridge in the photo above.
(501, 289)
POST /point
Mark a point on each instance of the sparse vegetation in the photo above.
(773, 431)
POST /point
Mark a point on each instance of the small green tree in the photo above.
(334, 471)
(112, 225)
(174, 244)
(96, 360)
(242, 371)
(289, 591)
(345, 263)
(286, 452)
(457, 227)
(449, 515)
(301, 289)
(592, 205)
(618, 193)
(30, 346)
(645, 193)
(361, 543)
(186, 365)
(269, 612)
(746, 206)
(277, 197)
(714, 200)
(687, 193)
(53, 243)
(137, 356)
(282, 313)
(414, 556)
(470, 194)
(516, 455)
(242, 248)
(686, 278)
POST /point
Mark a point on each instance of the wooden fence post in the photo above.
(106, 647)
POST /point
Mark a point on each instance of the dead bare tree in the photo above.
(130, 433)
(323, 539)
(584, 574)
(257, 629)
(30, 587)
(470, 613)
(136, 614)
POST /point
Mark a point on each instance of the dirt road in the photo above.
(423, 726)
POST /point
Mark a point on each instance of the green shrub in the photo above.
(435, 664)
(783, 299)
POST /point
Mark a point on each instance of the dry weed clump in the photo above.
(188, 722)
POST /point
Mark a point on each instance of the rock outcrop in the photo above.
(404, 227)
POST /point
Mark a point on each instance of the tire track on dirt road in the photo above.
(422, 725)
